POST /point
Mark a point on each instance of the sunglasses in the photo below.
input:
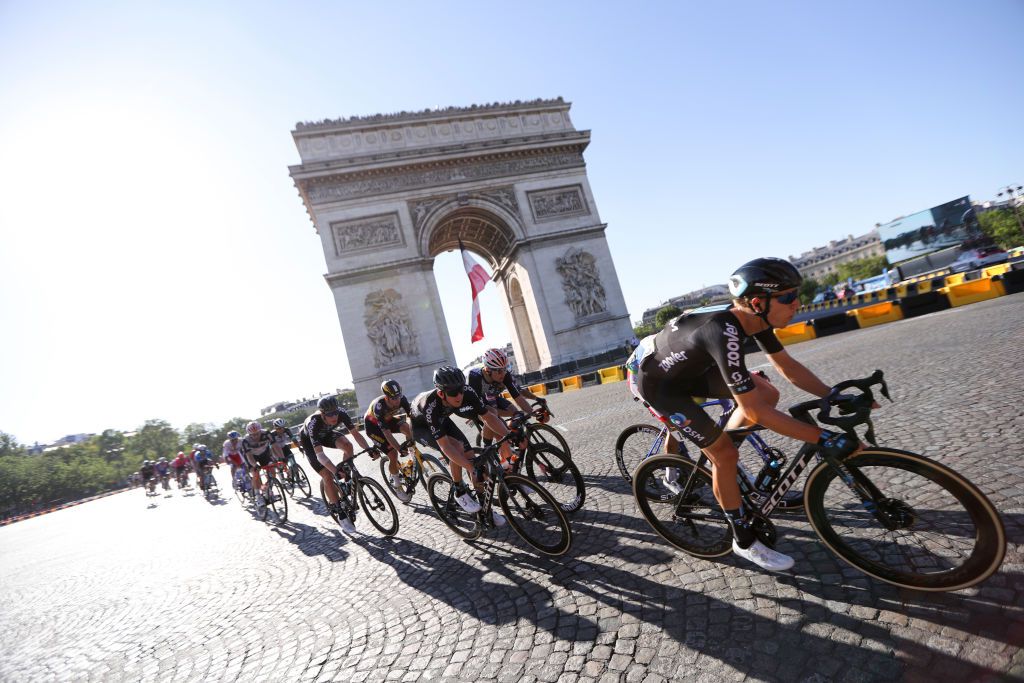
(333, 413)
(787, 298)
(453, 392)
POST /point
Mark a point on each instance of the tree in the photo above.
(642, 330)
(156, 439)
(1003, 227)
(862, 268)
(808, 289)
(665, 314)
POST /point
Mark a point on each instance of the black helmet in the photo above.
(391, 388)
(328, 404)
(447, 377)
(764, 276)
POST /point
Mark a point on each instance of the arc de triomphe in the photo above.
(388, 193)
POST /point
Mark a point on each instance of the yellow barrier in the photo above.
(956, 279)
(1015, 252)
(538, 389)
(572, 383)
(609, 375)
(924, 286)
(973, 291)
(877, 314)
(996, 270)
(797, 332)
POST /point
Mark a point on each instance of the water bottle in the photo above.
(768, 474)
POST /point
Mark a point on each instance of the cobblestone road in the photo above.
(121, 589)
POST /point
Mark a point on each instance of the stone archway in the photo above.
(387, 193)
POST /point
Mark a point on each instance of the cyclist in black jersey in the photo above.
(432, 426)
(382, 420)
(490, 380)
(700, 353)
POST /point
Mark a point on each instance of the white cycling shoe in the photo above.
(763, 556)
(400, 493)
(498, 518)
(467, 503)
(670, 480)
(347, 526)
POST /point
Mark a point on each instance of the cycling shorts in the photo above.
(677, 404)
(375, 431)
(306, 446)
(421, 432)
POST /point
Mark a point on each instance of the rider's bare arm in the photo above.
(766, 415)
(797, 374)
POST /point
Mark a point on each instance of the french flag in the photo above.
(478, 279)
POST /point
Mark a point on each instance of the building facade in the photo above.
(822, 261)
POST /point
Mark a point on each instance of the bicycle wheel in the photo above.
(431, 465)
(240, 491)
(301, 481)
(406, 483)
(208, 485)
(323, 497)
(377, 505)
(634, 444)
(931, 529)
(691, 520)
(288, 483)
(277, 503)
(544, 435)
(558, 474)
(534, 514)
(441, 491)
(260, 504)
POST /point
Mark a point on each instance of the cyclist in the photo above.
(180, 467)
(148, 470)
(328, 427)
(232, 452)
(492, 378)
(259, 448)
(285, 440)
(163, 470)
(433, 427)
(201, 461)
(381, 421)
(701, 353)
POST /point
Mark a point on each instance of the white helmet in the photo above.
(279, 423)
(254, 427)
(495, 359)
(197, 446)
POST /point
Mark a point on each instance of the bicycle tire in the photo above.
(289, 484)
(240, 492)
(278, 503)
(935, 485)
(431, 465)
(558, 474)
(690, 520)
(323, 497)
(539, 434)
(302, 481)
(260, 504)
(527, 506)
(208, 486)
(440, 490)
(633, 446)
(377, 505)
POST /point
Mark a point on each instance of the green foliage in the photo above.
(861, 268)
(808, 288)
(1003, 226)
(664, 315)
(642, 331)
(830, 279)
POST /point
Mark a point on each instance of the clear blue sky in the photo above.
(156, 261)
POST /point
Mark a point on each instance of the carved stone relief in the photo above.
(419, 178)
(559, 202)
(502, 196)
(584, 293)
(364, 233)
(389, 327)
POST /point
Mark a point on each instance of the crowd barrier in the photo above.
(37, 513)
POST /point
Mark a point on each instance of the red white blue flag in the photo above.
(478, 279)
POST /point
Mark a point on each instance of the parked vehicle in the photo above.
(972, 259)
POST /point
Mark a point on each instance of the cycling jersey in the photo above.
(162, 468)
(697, 354)
(489, 391)
(316, 432)
(232, 448)
(179, 462)
(429, 411)
(256, 449)
(147, 471)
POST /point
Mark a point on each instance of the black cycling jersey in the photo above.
(428, 410)
(491, 391)
(380, 413)
(257, 445)
(316, 429)
(147, 471)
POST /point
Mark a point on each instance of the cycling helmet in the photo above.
(181, 454)
(448, 377)
(390, 387)
(232, 434)
(278, 423)
(253, 427)
(764, 276)
(163, 459)
(328, 404)
(495, 359)
(196, 446)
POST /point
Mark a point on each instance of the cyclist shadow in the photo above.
(312, 541)
(495, 597)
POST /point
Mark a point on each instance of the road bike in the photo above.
(364, 493)
(165, 481)
(531, 511)
(181, 475)
(271, 502)
(242, 485)
(548, 460)
(895, 515)
(639, 442)
(414, 467)
(295, 478)
(208, 483)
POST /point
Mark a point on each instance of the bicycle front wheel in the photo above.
(540, 434)
(534, 515)
(676, 498)
(277, 504)
(928, 528)
(288, 483)
(377, 505)
(301, 481)
(558, 474)
(633, 446)
(441, 491)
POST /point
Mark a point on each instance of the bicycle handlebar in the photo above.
(855, 410)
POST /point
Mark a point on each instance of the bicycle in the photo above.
(209, 484)
(548, 460)
(362, 492)
(895, 515)
(639, 442)
(416, 468)
(532, 512)
(295, 477)
(242, 485)
(165, 482)
(272, 498)
(181, 475)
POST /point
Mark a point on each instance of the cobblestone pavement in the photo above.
(181, 589)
